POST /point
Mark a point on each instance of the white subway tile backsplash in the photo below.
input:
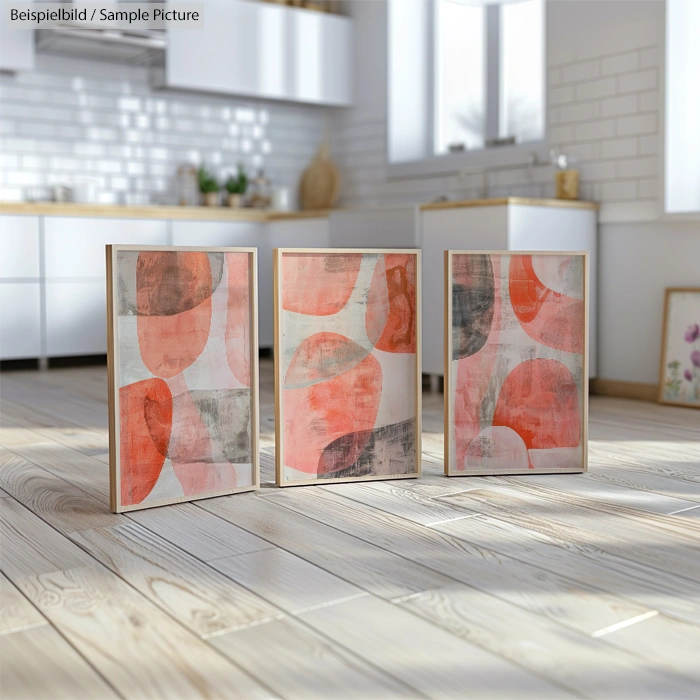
(87, 118)
(648, 189)
(614, 106)
(637, 167)
(621, 63)
(618, 148)
(620, 190)
(648, 101)
(640, 124)
(648, 145)
(595, 89)
(637, 81)
(594, 130)
(583, 70)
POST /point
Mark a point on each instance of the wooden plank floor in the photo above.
(541, 586)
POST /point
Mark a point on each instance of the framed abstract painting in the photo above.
(183, 374)
(347, 365)
(679, 384)
(516, 370)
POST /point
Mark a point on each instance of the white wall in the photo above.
(605, 76)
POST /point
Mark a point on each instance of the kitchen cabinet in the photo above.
(246, 47)
(507, 224)
(20, 287)
(75, 277)
(16, 45)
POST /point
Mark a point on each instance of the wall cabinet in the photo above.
(16, 45)
(257, 49)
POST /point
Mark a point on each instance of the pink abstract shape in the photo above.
(145, 417)
(550, 318)
(316, 415)
(399, 279)
(320, 357)
(318, 284)
(173, 295)
(238, 318)
(539, 400)
(497, 448)
(197, 460)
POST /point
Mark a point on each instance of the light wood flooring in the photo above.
(532, 587)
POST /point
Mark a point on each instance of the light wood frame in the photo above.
(113, 374)
(667, 299)
(278, 253)
(449, 427)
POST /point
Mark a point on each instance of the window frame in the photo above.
(488, 157)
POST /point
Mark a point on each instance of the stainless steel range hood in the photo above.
(118, 42)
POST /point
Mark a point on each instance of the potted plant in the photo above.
(208, 186)
(236, 185)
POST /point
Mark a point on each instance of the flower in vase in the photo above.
(693, 333)
(688, 375)
(695, 358)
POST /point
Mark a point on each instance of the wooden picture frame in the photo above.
(488, 447)
(368, 275)
(205, 402)
(679, 368)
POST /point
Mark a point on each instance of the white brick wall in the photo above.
(71, 120)
(603, 111)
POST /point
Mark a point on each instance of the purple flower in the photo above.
(695, 357)
(693, 333)
(688, 375)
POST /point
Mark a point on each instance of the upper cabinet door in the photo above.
(321, 57)
(16, 45)
(257, 49)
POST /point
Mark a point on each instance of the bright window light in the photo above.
(460, 76)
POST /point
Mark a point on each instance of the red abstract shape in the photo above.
(472, 380)
(238, 318)
(145, 423)
(172, 339)
(539, 400)
(197, 460)
(398, 275)
(318, 284)
(316, 415)
(322, 356)
(550, 318)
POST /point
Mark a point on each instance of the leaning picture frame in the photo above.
(516, 362)
(347, 352)
(679, 371)
(182, 327)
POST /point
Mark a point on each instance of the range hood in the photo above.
(117, 42)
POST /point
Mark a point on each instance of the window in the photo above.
(466, 77)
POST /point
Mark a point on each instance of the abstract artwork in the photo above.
(183, 373)
(680, 352)
(516, 378)
(347, 365)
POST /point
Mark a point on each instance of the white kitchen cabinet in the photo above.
(19, 247)
(20, 289)
(75, 246)
(76, 318)
(16, 45)
(508, 225)
(375, 227)
(75, 277)
(246, 47)
(20, 320)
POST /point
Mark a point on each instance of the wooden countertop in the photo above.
(503, 201)
(113, 211)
